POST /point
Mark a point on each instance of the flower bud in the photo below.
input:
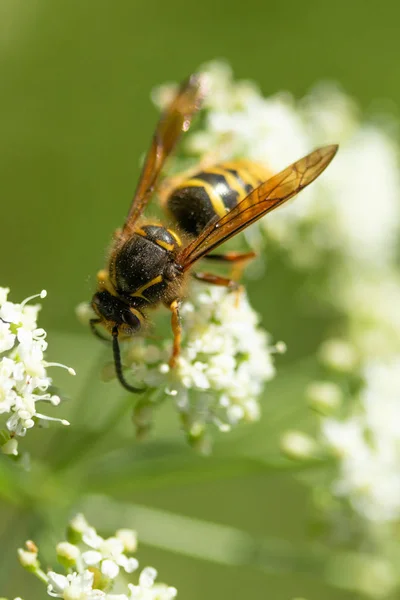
(338, 355)
(67, 554)
(77, 527)
(324, 396)
(10, 447)
(129, 539)
(298, 445)
(28, 558)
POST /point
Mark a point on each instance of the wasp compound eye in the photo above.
(131, 319)
(105, 305)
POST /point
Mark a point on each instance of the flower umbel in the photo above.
(93, 567)
(225, 361)
(367, 445)
(363, 439)
(24, 381)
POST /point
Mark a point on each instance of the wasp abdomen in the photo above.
(214, 191)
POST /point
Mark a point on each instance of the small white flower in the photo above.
(338, 355)
(73, 586)
(324, 396)
(79, 524)
(28, 558)
(298, 445)
(10, 447)
(23, 370)
(7, 339)
(107, 554)
(68, 551)
(128, 537)
(148, 590)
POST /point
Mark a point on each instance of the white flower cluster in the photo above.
(367, 445)
(94, 566)
(225, 361)
(346, 225)
(365, 442)
(23, 370)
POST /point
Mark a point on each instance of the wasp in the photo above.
(149, 263)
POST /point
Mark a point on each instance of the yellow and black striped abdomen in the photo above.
(214, 191)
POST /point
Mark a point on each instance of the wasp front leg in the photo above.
(177, 331)
(96, 332)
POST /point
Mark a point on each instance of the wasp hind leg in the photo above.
(217, 280)
(231, 257)
(213, 279)
(238, 260)
(177, 331)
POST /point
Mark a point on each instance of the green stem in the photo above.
(41, 575)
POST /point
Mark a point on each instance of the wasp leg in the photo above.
(237, 259)
(217, 280)
(231, 256)
(177, 331)
(222, 281)
(93, 323)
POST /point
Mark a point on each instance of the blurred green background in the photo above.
(76, 116)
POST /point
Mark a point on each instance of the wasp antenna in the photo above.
(96, 332)
(118, 365)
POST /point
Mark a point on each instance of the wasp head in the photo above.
(115, 314)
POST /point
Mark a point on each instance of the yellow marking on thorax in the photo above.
(216, 201)
(161, 243)
(141, 232)
(146, 286)
(175, 236)
(104, 283)
(165, 245)
(230, 179)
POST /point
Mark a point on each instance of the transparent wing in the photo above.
(269, 195)
(174, 121)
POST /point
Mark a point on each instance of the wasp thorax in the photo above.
(145, 265)
(116, 312)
